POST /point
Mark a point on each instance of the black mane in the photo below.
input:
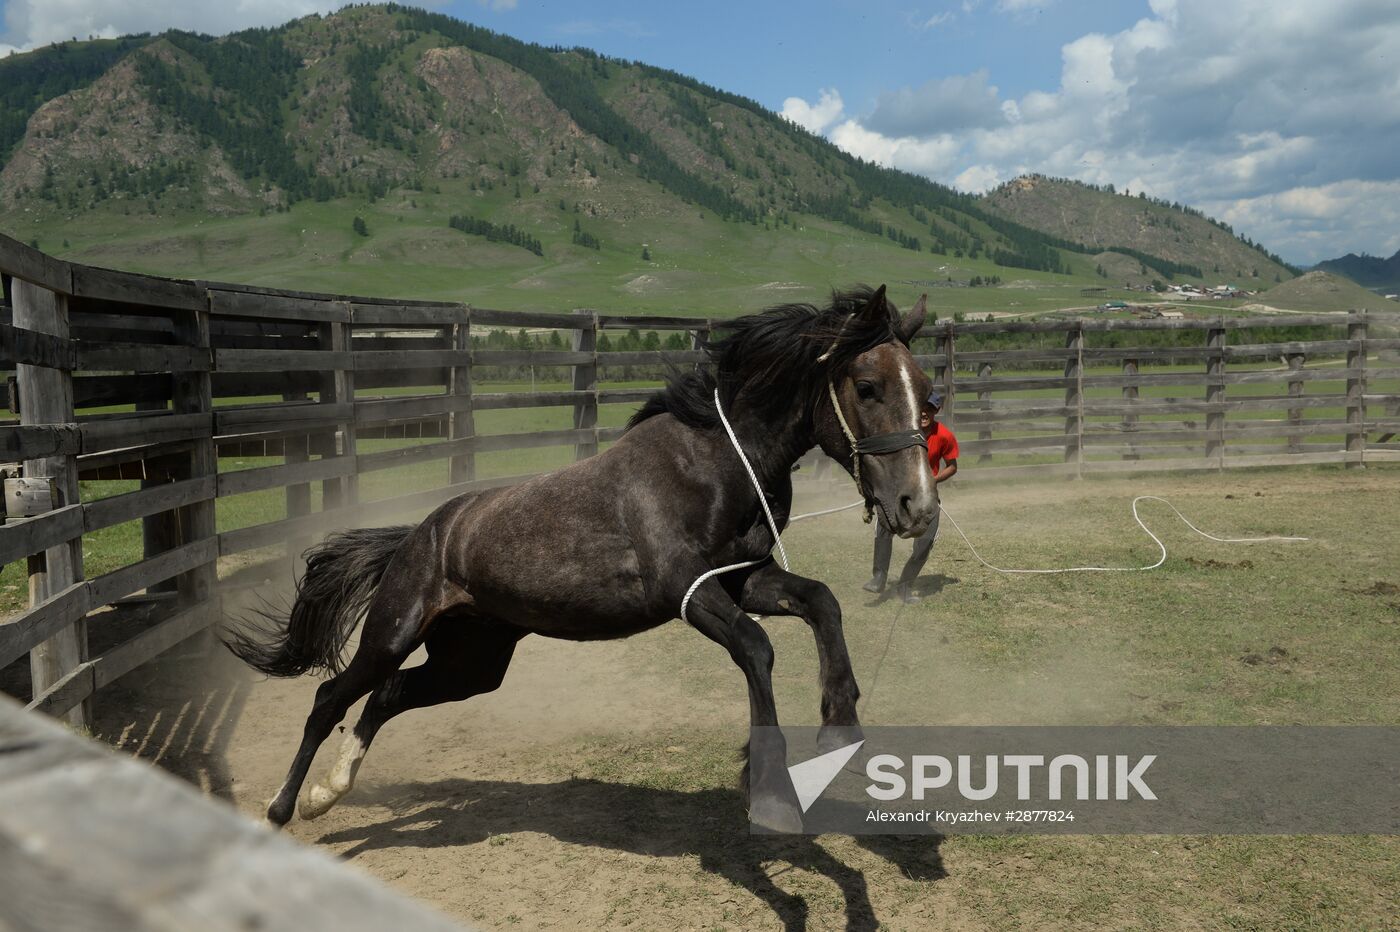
(770, 357)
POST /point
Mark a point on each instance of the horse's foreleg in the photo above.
(465, 658)
(771, 590)
(772, 799)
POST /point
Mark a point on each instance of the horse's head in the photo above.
(879, 395)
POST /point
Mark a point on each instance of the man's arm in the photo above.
(949, 470)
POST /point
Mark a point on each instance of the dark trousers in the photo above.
(884, 545)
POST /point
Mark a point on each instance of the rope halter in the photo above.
(870, 446)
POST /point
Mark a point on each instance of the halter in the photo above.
(870, 446)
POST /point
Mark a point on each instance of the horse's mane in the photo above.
(771, 357)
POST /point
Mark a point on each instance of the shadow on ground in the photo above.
(706, 824)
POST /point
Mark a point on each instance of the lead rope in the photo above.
(762, 500)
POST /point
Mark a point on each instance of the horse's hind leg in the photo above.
(466, 658)
(393, 629)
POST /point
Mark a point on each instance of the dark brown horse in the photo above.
(609, 546)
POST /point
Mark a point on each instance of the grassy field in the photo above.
(595, 788)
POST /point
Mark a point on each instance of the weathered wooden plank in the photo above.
(109, 587)
(1153, 353)
(47, 398)
(36, 625)
(400, 315)
(418, 453)
(142, 357)
(1313, 348)
(37, 441)
(585, 381)
(490, 443)
(244, 384)
(277, 307)
(659, 322)
(19, 345)
(115, 433)
(270, 477)
(413, 359)
(29, 264)
(488, 317)
(532, 357)
(612, 396)
(270, 360)
(305, 415)
(94, 391)
(462, 422)
(1012, 383)
(387, 409)
(491, 401)
(132, 288)
(117, 509)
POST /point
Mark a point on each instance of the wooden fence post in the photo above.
(1074, 399)
(1356, 395)
(1215, 394)
(984, 372)
(296, 448)
(1130, 397)
(161, 531)
(586, 380)
(192, 393)
(338, 387)
(946, 346)
(1295, 390)
(46, 397)
(463, 422)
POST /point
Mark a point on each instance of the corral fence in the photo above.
(234, 424)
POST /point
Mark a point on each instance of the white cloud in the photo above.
(936, 20)
(814, 117)
(1284, 117)
(498, 5)
(32, 23)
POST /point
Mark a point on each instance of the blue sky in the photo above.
(1280, 117)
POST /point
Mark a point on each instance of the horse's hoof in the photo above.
(835, 737)
(278, 813)
(318, 802)
(772, 814)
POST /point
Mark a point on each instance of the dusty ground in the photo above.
(595, 789)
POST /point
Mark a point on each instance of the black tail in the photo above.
(342, 573)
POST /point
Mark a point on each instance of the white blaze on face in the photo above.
(906, 377)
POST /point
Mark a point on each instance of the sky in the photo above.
(1280, 117)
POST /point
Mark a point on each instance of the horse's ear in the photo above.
(910, 323)
(877, 308)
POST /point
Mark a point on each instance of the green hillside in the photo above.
(387, 150)
(1323, 291)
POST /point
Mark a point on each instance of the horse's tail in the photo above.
(342, 573)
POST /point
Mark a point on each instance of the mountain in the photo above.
(1368, 271)
(1138, 227)
(388, 150)
(1323, 291)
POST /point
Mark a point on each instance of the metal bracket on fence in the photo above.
(28, 497)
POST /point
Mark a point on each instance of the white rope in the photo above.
(762, 500)
(1085, 569)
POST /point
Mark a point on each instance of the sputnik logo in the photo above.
(810, 778)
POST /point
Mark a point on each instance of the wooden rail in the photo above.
(93, 839)
(360, 410)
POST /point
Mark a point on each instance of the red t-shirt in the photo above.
(942, 445)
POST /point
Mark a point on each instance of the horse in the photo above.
(611, 545)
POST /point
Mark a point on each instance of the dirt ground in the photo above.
(597, 787)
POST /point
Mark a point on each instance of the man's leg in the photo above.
(922, 547)
(884, 544)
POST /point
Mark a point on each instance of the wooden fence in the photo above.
(205, 394)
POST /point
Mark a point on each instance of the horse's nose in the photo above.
(914, 513)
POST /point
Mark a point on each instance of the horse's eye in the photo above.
(865, 390)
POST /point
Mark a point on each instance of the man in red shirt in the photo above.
(942, 448)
